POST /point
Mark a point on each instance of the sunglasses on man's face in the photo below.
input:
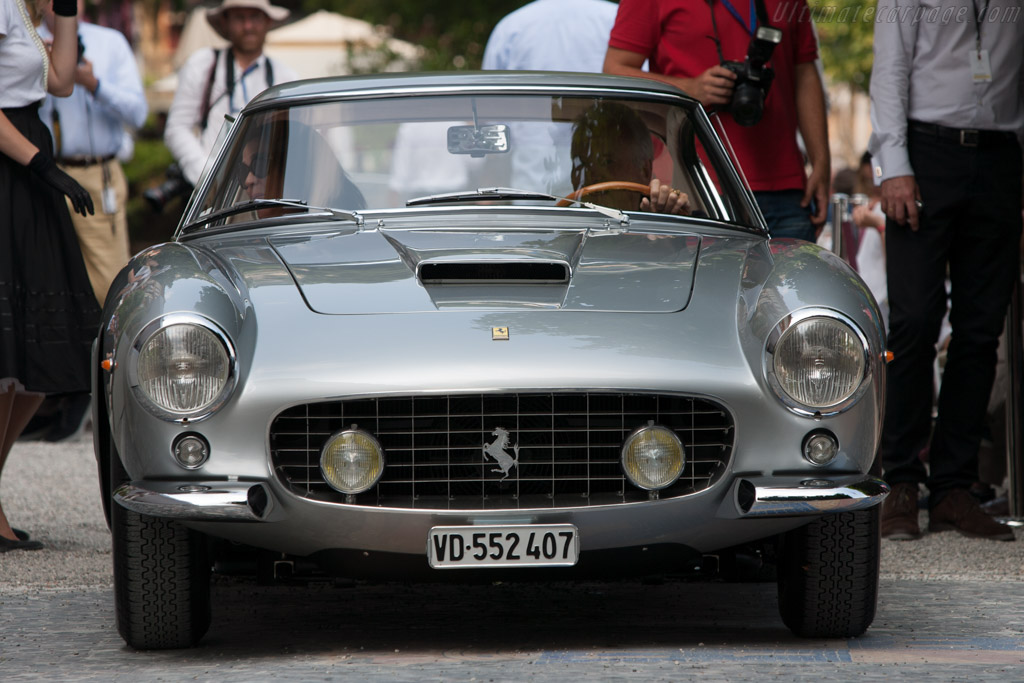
(258, 167)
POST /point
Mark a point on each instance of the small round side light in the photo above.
(820, 448)
(191, 451)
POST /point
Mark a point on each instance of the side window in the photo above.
(710, 174)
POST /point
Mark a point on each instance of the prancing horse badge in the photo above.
(497, 451)
(499, 334)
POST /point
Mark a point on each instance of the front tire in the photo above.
(161, 578)
(828, 575)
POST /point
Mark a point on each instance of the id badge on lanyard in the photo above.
(981, 67)
(109, 194)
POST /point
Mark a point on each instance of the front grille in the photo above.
(569, 447)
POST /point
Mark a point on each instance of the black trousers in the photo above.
(970, 225)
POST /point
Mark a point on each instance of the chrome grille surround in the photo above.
(569, 447)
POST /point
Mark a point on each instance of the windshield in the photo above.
(370, 154)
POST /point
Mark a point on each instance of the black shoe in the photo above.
(22, 535)
(71, 419)
(899, 513)
(7, 544)
(959, 511)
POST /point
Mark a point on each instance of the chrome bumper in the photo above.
(198, 502)
(752, 497)
(805, 496)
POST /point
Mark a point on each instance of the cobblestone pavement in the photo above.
(950, 609)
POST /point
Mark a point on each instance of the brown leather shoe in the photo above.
(899, 514)
(959, 511)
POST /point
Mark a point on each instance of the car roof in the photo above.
(446, 81)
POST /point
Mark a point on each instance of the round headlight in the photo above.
(183, 368)
(352, 461)
(653, 457)
(818, 362)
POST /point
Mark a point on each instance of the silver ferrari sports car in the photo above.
(483, 325)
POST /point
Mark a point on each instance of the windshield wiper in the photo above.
(256, 204)
(512, 193)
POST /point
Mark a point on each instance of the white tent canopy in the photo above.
(330, 44)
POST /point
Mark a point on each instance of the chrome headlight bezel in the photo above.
(147, 334)
(787, 326)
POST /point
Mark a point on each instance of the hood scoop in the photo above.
(494, 272)
(410, 271)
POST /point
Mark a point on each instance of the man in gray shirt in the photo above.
(947, 109)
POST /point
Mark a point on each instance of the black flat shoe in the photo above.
(22, 535)
(7, 544)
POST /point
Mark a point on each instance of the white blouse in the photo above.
(23, 61)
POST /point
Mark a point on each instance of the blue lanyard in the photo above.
(245, 94)
(750, 25)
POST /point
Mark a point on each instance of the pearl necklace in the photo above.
(34, 35)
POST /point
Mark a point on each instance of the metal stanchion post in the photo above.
(1014, 416)
(840, 209)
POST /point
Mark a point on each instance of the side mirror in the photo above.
(478, 141)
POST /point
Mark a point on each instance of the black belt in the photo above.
(84, 161)
(966, 137)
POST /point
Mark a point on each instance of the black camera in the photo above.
(753, 78)
(174, 186)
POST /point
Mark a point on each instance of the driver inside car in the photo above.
(613, 159)
(306, 170)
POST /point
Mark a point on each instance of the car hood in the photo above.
(351, 272)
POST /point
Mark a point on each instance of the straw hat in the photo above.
(217, 17)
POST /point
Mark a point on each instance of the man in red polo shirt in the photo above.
(678, 38)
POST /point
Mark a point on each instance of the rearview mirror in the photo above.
(477, 141)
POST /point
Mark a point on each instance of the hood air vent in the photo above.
(495, 272)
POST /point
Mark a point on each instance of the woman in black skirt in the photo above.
(48, 314)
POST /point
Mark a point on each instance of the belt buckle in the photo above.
(969, 138)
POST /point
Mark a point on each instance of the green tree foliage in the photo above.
(846, 32)
(453, 33)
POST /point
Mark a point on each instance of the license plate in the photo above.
(528, 545)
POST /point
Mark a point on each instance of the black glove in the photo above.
(65, 8)
(44, 167)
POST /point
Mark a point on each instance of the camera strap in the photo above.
(204, 110)
(762, 13)
(229, 82)
(757, 9)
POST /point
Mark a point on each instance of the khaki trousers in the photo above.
(103, 237)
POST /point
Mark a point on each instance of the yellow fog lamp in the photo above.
(653, 457)
(352, 461)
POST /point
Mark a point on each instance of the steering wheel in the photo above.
(604, 187)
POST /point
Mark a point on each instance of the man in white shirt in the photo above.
(947, 108)
(548, 35)
(89, 128)
(213, 83)
(552, 35)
